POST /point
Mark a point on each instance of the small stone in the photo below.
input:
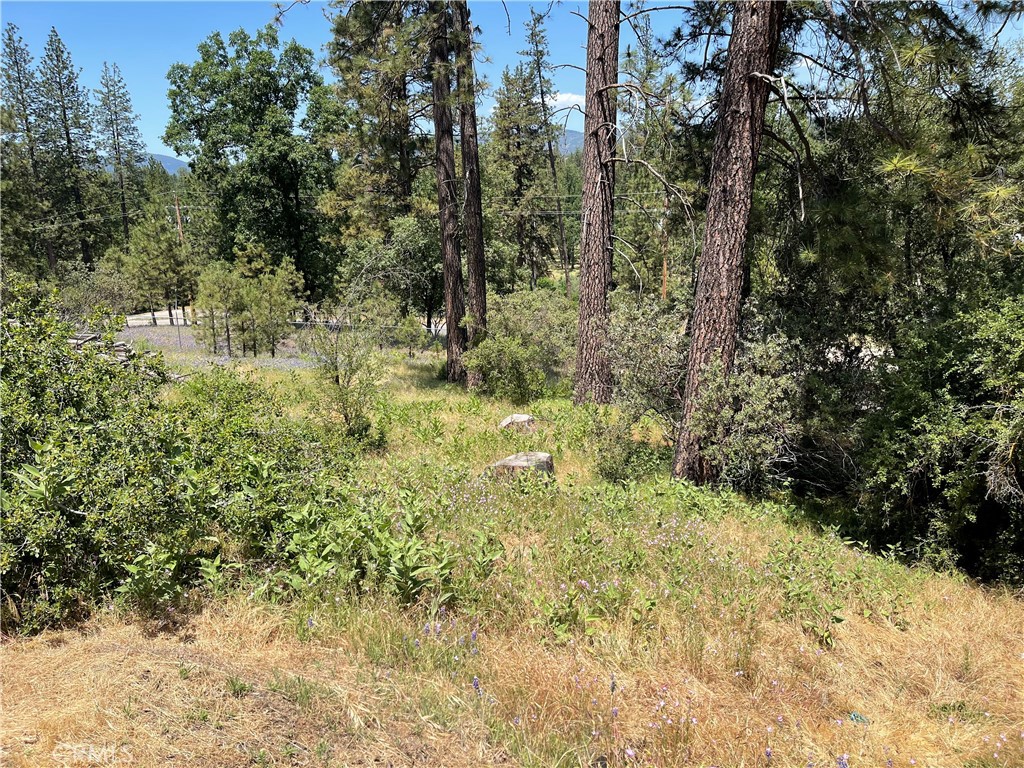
(522, 422)
(517, 464)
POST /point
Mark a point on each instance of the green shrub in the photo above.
(508, 369)
(746, 423)
(354, 543)
(106, 481)
(347, 343)
(530, 344)
(543, 321)
(621, 458)
(88, 462)
(647, 348)
(942, 467)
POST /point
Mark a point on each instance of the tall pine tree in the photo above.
(120, 140)
(447, 189)
(519, 182)
(593, 371)
(473, 216)
(20, 93)
(65, 137)
(714, 327)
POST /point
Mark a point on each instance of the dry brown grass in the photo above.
(166, 698)
(799, 700)
(115, 692)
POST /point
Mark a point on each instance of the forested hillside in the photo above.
(767, 318)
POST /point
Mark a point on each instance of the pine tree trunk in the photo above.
(714, 324)
(473, 221)
(593, 371)
(213, 330)
(119, 160)
(76, 188)
(447, 194)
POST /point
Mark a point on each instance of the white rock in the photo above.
(529, 461)
(524, 422)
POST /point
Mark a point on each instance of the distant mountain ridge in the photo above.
(171, 164)
(571, 141)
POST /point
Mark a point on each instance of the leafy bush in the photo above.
(83, 291)
(530, 344)
(621, 458)
(747, 424)
(351, 542)
(101, 470)
(943, 474)
(87, 462)
(647, 347)
(347, 344)
(543, 320)
(508, 368)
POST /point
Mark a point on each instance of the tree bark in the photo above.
(473, 221)
(593, 371)
(447, 198)
(753, 47)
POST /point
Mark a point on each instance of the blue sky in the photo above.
(145, 38)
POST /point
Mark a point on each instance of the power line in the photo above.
(74, 223)
(95, 208)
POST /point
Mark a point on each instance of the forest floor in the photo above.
(652, 624)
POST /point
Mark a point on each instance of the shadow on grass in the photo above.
(425, 373)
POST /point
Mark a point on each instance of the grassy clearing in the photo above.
(650, 624)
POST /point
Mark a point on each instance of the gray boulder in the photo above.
(520, 463)
(522, 422)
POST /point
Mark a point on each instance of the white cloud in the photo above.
(563, 100)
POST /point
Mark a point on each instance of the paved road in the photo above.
(162, 318)
(180, 344)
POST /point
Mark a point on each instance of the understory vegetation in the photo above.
(872, 368)
(621, 619)
(768, 322)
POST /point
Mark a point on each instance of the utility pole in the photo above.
(176, 312)
(177, 213)
(181, 241)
